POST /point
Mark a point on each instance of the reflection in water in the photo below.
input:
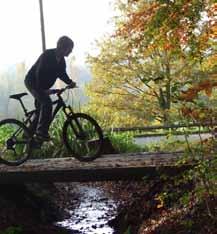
(93, 213)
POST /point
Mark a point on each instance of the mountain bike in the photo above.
(81, 134)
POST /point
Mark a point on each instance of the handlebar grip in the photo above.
(59, 91)
(54, 91)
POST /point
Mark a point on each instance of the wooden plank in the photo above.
(107, 167)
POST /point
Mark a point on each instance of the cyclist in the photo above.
(41, 77)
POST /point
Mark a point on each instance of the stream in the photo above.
(92, 211)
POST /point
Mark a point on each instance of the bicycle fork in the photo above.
(79, 133)
(77, 129)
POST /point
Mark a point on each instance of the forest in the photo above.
(158, 66)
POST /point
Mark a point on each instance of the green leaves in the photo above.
(141, 69)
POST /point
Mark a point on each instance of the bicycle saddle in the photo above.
(18, 96)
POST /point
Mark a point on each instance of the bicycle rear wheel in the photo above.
(83, 137)
(14, 142)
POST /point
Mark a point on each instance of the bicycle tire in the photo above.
(78, 145)
(15, 142)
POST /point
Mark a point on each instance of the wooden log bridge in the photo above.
(108, 167)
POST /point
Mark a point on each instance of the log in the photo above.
(108, 167)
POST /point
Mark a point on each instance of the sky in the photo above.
(82, 20)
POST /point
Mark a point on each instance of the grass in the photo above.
(12, 230)
(124, 142)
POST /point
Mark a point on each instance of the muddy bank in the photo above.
(29, 209)
(144, 212)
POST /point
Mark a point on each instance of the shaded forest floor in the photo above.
(29, 209)
(145, 213)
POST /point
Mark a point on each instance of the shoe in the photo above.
(42, 137)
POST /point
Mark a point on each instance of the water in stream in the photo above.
(94, 209)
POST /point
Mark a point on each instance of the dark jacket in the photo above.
(46, 70)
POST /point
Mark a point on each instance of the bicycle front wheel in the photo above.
(14, 142)
(83, 137)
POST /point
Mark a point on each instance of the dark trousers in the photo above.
(43, 116)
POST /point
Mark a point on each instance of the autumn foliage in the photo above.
(205, 85)
(157, 50)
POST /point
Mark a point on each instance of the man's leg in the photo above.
(33, 126)
(45, 116)
(34, 121)
(43, 103)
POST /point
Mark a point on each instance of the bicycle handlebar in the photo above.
(60, 91)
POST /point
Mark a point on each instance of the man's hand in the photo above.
(72, 85)
(51, 91)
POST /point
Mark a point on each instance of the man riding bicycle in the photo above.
(41, 77)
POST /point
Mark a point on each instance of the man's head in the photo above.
(64, 46)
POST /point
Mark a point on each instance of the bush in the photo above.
(124, 142)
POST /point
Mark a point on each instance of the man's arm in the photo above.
(65, 78)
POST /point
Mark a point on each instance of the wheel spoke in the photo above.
(83, 137)
(14, 149)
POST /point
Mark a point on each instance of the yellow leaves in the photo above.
(209, 63)
(208, 91)
(214, 76)
(160, 202)
(212, 13)
(213, 33)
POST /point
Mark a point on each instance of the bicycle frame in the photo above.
(60, 105)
